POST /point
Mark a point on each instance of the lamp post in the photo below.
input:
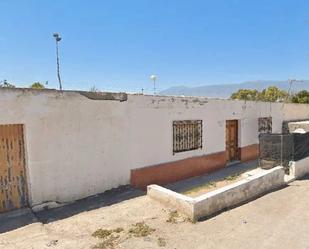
(58, 39)
(153, 77)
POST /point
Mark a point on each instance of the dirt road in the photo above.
(277, 220)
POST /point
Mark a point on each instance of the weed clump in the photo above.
(102, 233)
(161, 242)
(208, 185)
(109, 243)
(118, 230)
(173, 216)
(232, 177)
(141, 229)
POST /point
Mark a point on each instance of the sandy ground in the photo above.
(277, 220)
(210, 186)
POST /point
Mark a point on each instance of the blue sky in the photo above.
(116, 44)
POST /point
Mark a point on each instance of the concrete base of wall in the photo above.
(250, 152)
(228, 196)
(174, 171)
(299, 168)
(182, 169)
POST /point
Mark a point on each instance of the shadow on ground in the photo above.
(19, 218)
(16, 219)
(291, 184)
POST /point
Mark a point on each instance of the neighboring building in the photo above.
(63, 146)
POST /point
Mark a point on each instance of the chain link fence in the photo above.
(280, 149)
(276, 149)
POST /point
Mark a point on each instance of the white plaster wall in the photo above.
(77, 147)
(295, 111)
(152, 118)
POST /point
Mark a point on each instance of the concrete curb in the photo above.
(220, 199)
(300, 168)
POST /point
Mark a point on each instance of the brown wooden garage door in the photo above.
(13, 185)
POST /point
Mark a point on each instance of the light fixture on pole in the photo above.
(58, 39)
(153, 77)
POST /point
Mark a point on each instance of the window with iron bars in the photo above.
(265, 125)
(187, 135)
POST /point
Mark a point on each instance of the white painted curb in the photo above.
(217, 200)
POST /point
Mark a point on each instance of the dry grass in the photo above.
(109, 239)
(161, 242)
(233, 177)
(108, 243)
(141, 229)
(208, 185)
(104, 233)
(173, 217)
(118, 230)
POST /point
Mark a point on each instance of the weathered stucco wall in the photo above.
(75, 146)
(78, 146)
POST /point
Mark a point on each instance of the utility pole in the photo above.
(58, 39)
(153, 77)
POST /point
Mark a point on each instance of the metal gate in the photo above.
(13, 185)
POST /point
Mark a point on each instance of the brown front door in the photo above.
(231, 138)
(13, 185)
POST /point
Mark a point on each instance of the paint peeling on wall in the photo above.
(105, 96)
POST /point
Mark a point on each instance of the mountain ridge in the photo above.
(225, 90)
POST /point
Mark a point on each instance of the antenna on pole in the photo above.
(291, 81)
(153, 77)
(58, 39)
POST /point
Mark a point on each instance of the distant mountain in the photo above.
(225, 90)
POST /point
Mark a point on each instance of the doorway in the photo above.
(13, 183)
(231, 140)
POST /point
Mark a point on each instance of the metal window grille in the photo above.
(187, 135)
(265, 125)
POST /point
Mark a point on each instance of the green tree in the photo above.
(301, 97)
(6, 84)
(37, 85)
(273, 94)
(246, 94)
(270, 94)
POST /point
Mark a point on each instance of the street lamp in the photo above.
(153, 77)
(58, 39)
